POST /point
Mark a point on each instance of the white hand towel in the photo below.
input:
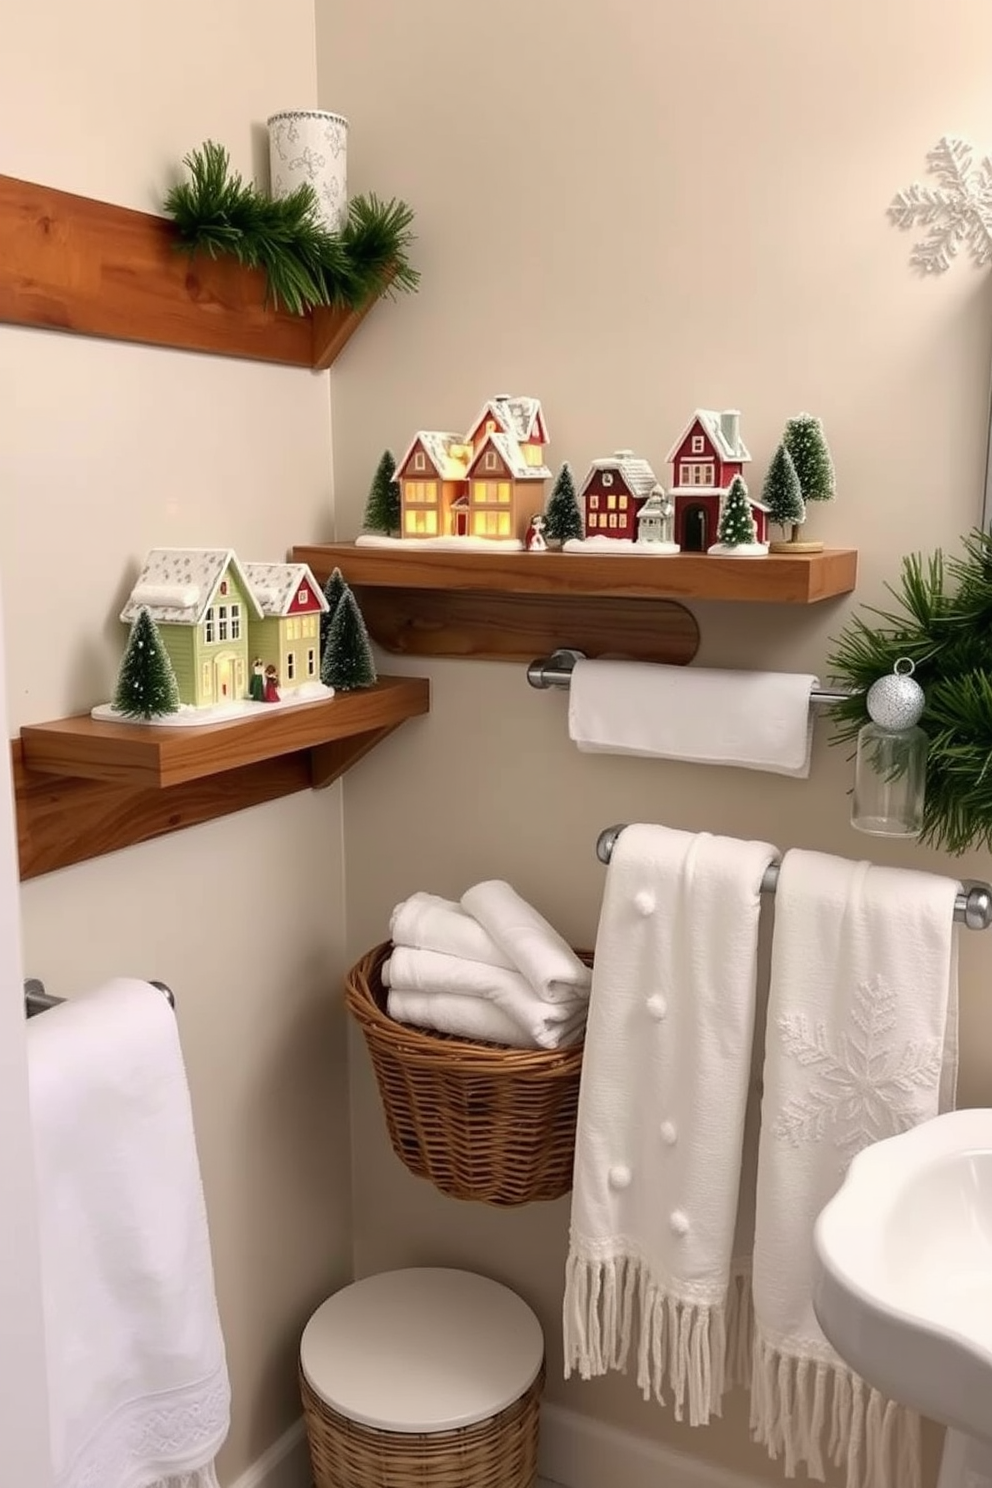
(474, 1018)
(431, 973)
(861, 1043)
(535, 948)
(756, 720)
(661, 1113)
(429, 923)
(137, 1381)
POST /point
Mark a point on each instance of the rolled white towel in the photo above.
(430, 923)
(536, 949)
(471, 1017)
(430, 973)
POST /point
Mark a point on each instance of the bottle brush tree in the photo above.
(347, 662)
(806, 443)
(333, 590)
(736, 520)
(562, 517)
(783, 495)
(146, 683)
(382, 509)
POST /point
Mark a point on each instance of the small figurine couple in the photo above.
(264, 682)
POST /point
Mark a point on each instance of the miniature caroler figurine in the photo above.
(534, 541)
(256, 689)
(271, 684)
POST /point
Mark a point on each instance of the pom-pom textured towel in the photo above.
(661, 1113)
(861, 1043)
(138, 1391)
(756, 720)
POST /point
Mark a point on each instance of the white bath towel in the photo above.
(535, 948)
(474, 1018)
(661, 1113)
(430, 974)
(756, 720)
(861, 1043)
(429, 923)
(137, 1381)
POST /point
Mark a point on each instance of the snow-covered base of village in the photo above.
(463, 544)
(743, 550)
(620, 545)
(235, 711)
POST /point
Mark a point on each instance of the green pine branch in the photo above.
(305, 265)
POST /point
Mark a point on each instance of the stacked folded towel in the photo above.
(488, 968)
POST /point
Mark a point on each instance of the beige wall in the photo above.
(630, 210)
(106, 450)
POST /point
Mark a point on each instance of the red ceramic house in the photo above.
(705, 458)
(612, 493)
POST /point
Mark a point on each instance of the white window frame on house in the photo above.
(208, 626)
(419, 463)
(490, 461)
(311, 662)
(607, 479)
(290, 666)
(698, 444)
(304, 595)
(235, 622)
(222, 622)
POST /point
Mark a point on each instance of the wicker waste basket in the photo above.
(424, 1375)
(478, 1120)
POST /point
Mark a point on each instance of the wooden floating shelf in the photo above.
(85, 788)
(778, 579)
(509, 606)
(69, 263)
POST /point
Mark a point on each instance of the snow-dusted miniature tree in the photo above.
(347, 663)
(382, 509)
(736, 520)
(783, 495)
(562, 517)
(806, 443)
(333, 590)
(146, 683)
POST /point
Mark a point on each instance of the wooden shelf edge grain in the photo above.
(69, 263)
(150, 757)
(800, 579)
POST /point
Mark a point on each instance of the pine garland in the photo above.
(943, 622)
(217, 213)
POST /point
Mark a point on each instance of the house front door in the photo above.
(695, 532)
(461, 523)
(225, 677)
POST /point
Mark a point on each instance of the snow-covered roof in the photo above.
(518, 417)
(635, 473)
(177, 585)
(276, 585)
(655, 504)
(447, 452)
(723, 430)
(513, 457)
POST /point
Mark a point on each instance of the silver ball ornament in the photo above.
(896, 701)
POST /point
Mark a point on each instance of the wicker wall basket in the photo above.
(479, 1121)
(500, 1452)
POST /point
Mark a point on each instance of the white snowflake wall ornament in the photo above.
(957, 210)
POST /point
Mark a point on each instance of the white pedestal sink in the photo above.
(903, 1280)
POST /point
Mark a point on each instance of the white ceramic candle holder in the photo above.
(310, 146)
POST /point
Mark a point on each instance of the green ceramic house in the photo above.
(286, 635)
(203, 605)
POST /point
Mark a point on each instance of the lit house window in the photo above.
(623, 503)
(420, 523)
(613, 519)
(235, 622)
(208, 626)
(611, 502)
(594, 503)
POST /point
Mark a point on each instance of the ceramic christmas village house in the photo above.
(485, 484)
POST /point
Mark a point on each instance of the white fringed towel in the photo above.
(138, 1390)
(661, 1113)
(756, 720)
(535, 948)
(861, 1044)
(429, 923)
(421, 975)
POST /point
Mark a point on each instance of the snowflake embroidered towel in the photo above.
(755, 720)
(661, 1113)
(137, 1380)
(861, 1043)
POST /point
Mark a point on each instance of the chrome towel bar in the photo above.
(556, 671)
(972, 907)
(37, 1000)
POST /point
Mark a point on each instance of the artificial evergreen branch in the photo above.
(217, 213)
(942, 620)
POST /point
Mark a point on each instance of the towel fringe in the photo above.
(740, 1326)
(875, 1441)
(681, 1345)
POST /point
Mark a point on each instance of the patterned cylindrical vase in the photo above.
(308, 145)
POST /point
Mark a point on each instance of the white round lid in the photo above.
(420, 1350)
